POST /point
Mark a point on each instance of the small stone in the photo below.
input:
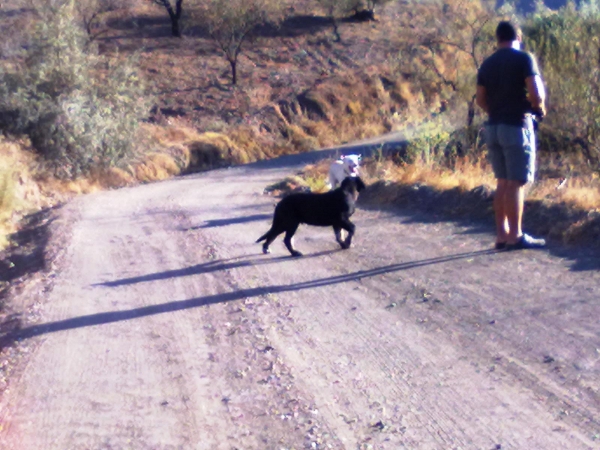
(379, 425)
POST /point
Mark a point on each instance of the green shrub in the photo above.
(567, 46)
(80, 111)
(428, 145)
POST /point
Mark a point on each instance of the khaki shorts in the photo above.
(511, 151)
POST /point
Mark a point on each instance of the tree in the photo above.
(451, 45)
(81, 111)
(90, 13)
(231, 23)
(174, 9)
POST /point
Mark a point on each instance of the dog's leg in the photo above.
(271, 236)
(288, 240)
(338, 235)
(349, 227)
(331, 181)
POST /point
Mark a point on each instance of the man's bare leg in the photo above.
(514, 201)
(500, 212)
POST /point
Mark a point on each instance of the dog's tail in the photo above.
(263, 237)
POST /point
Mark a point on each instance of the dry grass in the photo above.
(587, 198)
(466, 175)
(316, 176)
(19, 191)
(356, 106)
(182, 149)
(288, 185)
(7, 200)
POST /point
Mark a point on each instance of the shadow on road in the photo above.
(230, 221)
(29, 247)
(208, 267)
(475, 214)
(581, 258)
(27, 257)
(118, 316)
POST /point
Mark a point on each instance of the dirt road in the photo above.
(166, 328)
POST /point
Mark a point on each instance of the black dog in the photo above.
(331, 209)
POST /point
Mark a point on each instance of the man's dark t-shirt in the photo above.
(503, 76)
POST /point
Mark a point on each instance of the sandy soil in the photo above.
(166, 328)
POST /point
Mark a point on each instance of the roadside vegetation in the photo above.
(96, 94)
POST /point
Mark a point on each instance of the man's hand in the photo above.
(536, 95)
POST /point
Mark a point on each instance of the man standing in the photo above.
(510, 90)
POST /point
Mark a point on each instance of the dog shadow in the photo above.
(230, 221)
(209, 267)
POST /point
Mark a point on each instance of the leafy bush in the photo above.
(568, 49)
(80, 111)
(427, 145)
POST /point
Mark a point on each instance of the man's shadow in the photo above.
(136, 313)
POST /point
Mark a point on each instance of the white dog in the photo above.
(346, 166)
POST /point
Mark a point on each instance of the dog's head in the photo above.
(351, 163)
(352, 186)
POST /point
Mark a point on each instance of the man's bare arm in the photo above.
(536, 93)
(481, 98)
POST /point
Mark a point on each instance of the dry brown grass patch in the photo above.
(316, 175)
(191, 150)
(65, 189)
(587, 198)
(467, 174)
(7, 201)
(247, 146)
(300, 140)
(581, 190)
(156, 167)
(20, 192)
(115, 178)
(288, 185)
